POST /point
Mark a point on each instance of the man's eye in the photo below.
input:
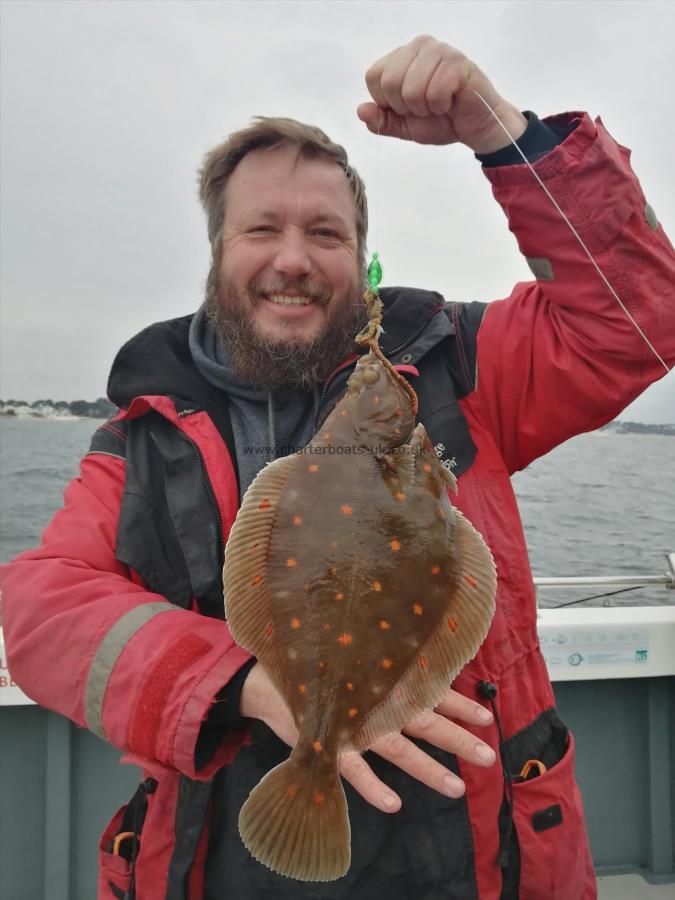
(326, 233)
(260, 228)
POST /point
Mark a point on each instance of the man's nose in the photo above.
(292, 256)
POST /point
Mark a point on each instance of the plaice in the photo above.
(362, 591)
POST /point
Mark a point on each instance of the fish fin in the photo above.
(400, 464)
(448, 478)
(295, 822)
(451, 645)
(245, 567)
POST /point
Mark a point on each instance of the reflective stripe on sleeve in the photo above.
(107, 655)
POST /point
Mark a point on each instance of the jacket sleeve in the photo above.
(559, 356)
(85, 640)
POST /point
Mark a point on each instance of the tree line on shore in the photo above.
(101, 408)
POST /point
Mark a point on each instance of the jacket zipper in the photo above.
(208, 488)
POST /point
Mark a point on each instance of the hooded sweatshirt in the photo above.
(265, 423)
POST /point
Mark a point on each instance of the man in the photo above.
(126, 585)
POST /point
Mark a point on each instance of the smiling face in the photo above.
(288, 278)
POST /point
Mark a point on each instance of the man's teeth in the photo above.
(289, 301)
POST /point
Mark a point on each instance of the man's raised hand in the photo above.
(424, 92)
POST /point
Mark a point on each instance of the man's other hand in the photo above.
(424, 92)
(261, 700)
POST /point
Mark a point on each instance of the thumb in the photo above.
(385, 121)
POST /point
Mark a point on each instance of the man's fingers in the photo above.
(440, 732)
(384, 122)
(385, 78)
(365, 782)
(396, 748)
(457, 706)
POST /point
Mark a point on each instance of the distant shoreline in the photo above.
(667, 430)
(58, 409)
(97, 412)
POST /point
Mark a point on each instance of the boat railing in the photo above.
(617, 583)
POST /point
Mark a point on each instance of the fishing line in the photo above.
(636, 587)
(574, 232)
(378, 196)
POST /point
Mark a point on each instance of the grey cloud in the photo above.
(107, 109)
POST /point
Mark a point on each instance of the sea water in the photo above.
(601, 504)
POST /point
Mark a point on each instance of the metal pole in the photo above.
(605, 581)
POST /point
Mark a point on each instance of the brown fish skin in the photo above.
(342, 575)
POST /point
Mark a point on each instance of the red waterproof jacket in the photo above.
(141, 666)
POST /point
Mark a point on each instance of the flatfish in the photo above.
(362, 591)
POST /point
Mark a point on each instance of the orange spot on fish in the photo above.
(418, 609)
(295, 623)
(387, 664)
(423, 662)
(327, 626)
(291, 790)
(313, 468)
(302, 689)
(322, 664)
(317, 746)
(269, 630)
(345, 639)
(339, 596)
(376, 399)
(471, 581)
(376, 586)
(255, 581)
(319, 798)
(397, 430)
(352, 712)
(343, 412)
(395, 546)
(426, 467)
(349, 686)
(435, 570)
(346, 510)
(384, 625)
(399, 495)
(398, 413)
(290, 562)
(452, 625)
(297, 520)
(264, 504)
(326, 435)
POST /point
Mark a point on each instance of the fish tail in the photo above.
(295, 821)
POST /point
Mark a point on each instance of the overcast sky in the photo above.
(108, 108)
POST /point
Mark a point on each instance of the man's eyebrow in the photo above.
(321, 217)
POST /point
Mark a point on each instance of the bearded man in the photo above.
(127, 581)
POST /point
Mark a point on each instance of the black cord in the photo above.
(595, 597)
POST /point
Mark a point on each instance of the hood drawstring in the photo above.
(488, 691)
(271, 431)
(317, 397)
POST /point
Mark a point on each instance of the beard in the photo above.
(289, 362)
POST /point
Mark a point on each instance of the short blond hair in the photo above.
(220, 163)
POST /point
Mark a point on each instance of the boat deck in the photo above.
(632, 887)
